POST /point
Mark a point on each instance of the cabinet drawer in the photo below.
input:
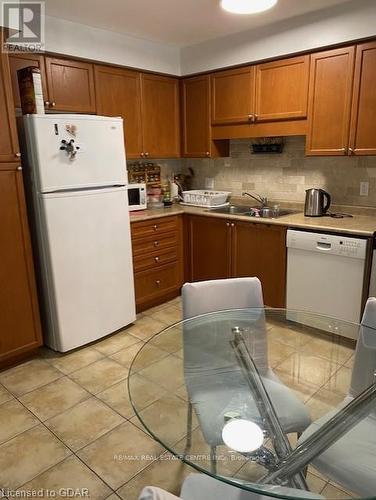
(153, 283)
(154, 227)
(154, 243)
(155, 259)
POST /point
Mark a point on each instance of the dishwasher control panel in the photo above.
(327, 243)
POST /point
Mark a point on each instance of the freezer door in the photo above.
(87, 266)
(98, 161)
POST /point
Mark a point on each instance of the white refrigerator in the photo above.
(77, 176)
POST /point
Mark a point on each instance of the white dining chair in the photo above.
(201, 487)
(351, 461)
(215, 383)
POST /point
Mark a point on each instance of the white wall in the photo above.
(346, 22)
(74, 39)
(338, 24)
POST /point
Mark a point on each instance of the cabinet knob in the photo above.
(155, 227)
(227, 224)
(146, 154)
(158, 282)
(207, 153)
(17, 155)
(255, 116)
(232, 224)
(156, 259)
(19, 168)
(156, 243)
(142, 154)
(251, 117)
(344, 150)
(351, 151)
(53, 104)
(46, 103)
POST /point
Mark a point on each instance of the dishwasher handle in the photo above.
(323, 245)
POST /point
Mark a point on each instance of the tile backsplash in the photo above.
(286, 176)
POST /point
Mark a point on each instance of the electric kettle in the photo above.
(317, 202)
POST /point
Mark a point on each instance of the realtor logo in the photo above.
(24, 24)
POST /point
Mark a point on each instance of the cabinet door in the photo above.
(70, 85)
(209, 248)
(19, 320)
(9, 149)
(260, 250)
(196, 116)
(363, 119)
(118, 93)
(19, 61)
(160, 116)
(282, 89)
(232, 96)
(330, 92)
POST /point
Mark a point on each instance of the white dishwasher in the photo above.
(325, 275)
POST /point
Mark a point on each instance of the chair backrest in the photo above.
(198, 486)
(219, 295)
(206, 340)
(365, 355)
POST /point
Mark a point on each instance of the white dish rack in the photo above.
(205, 198)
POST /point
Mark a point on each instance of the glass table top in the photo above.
(273, 401)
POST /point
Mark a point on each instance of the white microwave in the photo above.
(137, 196)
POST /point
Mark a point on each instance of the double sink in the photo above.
(263, 212)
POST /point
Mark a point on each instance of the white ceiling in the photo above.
(176, 22)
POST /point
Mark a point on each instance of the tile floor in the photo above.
(66, 420)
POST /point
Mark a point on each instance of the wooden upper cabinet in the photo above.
(209, 248)
(195, 96)
(260, 250)
(196, 120)
(363, 117)
(118, 93)
(70, 85)
(9, 148)
(282, 89)
(330, 92)
(20, 61)
(232, 96)
(19, 318)
(160, 116)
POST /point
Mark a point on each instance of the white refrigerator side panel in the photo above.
(100, 159)
(89, 265)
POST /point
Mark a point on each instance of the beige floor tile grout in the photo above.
(88, 444)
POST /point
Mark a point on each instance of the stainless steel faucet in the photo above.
(263, 200)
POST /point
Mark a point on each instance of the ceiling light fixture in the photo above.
(247, 6)
(242, 435)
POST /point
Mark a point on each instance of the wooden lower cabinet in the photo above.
(219, 248)
(157, 260)
(260, 250)
(19, 317)
(209, 241)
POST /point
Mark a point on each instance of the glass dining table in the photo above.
(272, 401)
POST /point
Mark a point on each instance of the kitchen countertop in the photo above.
(363, 224)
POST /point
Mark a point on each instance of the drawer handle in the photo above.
(158, 282)
(156, 259)
(156, 243)
(155, 227)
